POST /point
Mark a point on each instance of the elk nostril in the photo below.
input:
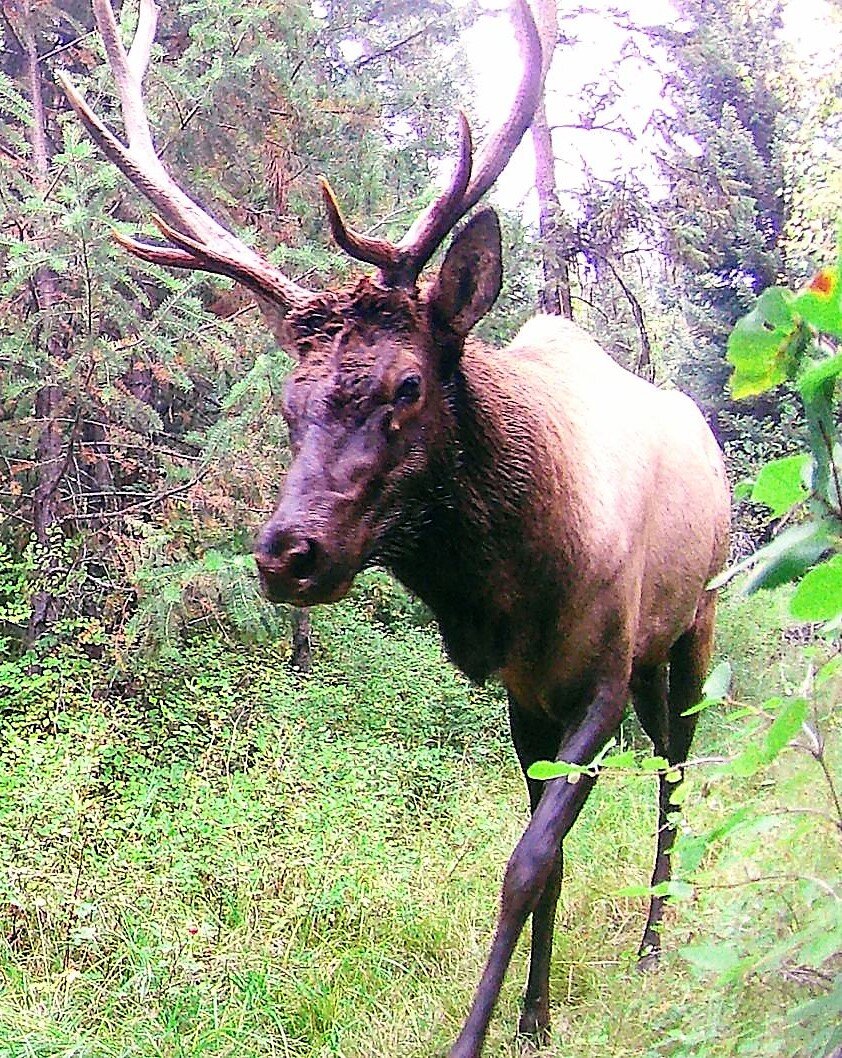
(302, 558)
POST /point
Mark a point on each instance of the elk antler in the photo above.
(199, 241)
(401, 263)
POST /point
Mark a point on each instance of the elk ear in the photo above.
(275, 318)
(471, 275)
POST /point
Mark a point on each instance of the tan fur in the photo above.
(626, 476)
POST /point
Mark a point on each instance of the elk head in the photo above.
(366, 405)
(367, 416)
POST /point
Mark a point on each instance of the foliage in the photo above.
(724, 212)
(795, 913)
(135, 399)
(203, 852)
(761, 913)
(728, 121)
(213, 831)
(208, 853)
(798, 910)
(813, 147)
(793, 336)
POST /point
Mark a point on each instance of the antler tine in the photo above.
(431, 226)
(201, 242)
(128, 75)
(401, 263)
(189, 254)
(140, 51)
(499, 149)
(425, 235)
(361, 247)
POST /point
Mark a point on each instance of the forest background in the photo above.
(223, 830)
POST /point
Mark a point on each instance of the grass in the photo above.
(219, 857)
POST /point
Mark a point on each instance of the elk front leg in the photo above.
(536, 738)
(536, 858)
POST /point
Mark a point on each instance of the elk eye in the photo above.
(409, 390)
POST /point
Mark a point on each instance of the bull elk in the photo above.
(560, 516)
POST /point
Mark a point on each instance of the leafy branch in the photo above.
(793, 337)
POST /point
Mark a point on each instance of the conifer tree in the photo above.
(725, 212)
(139, 405)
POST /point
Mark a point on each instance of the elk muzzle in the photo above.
(300, 565)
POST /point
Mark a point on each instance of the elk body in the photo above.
(560, 516)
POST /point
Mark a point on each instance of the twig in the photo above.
(820, 882)
(828, 441)
(76, 887)
(390, 50)
(149, 501)
(65, 47)
(826, 816)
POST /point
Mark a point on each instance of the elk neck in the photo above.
(472, 537)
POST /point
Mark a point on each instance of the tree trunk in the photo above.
(301, 658)
(49, 401)
(555, 289)
(555, 270)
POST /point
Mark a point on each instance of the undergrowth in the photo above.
(216, 855)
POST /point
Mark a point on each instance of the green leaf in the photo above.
(626, 759)
(171, 592)
(691, 851)
(676, 888)
(700, 707)
(717, 684)
(595, 764)
(792, 712)
(762, 346)
(788, 556)
(780, 484)
(785, 727)
(819, 595)
(823, 944)
(812, 379)
(828, 670)
(748, 763)
(733, 822)
(213, 561)
(820, 302)
(543, 770)
(635, 890)
(654, 764)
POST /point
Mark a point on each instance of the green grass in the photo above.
(218, 857)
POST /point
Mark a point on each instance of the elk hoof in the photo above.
(649, 959)
(534, 1028)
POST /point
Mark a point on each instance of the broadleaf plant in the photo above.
(792, 337)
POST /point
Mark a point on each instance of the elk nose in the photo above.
(302, 565)
(283, 549)
(289, 560)
(301, 557)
